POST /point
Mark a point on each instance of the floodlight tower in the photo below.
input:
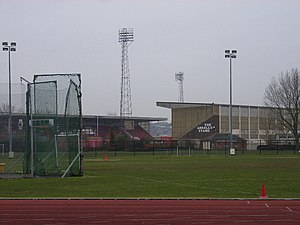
(179, 80)
(12, 47)
(125, 38)
(231, 55)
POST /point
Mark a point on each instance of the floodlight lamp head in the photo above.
(5, 49)
(227, 51)
(227, 56)
(234, 51)
(179, 76)
(5, 43)
(126, 35)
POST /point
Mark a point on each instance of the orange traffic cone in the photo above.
(263, 191)
(105, 157)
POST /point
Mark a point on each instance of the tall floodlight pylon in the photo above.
(125, 38)
(179, 80)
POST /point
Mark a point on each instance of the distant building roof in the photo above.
(135, 118)
(175, 105)
(224, 137)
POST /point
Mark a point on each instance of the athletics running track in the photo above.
(127, 212)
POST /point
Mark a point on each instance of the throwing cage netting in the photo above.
(53, 119)
(17, 98)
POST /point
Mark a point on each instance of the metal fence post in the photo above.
(153, 147)
(260, 147)
(134, 148)
(243, 147)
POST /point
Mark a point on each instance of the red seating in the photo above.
(139, 133)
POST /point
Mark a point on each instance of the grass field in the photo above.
(166, 176)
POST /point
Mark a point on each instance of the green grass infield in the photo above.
(168, 176)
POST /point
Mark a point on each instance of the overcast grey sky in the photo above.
(64, 36)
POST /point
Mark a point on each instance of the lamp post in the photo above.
(231, 54)
(10, 48)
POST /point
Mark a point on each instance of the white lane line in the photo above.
(289, 209)
(267, 205)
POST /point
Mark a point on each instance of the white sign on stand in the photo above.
(232, 151)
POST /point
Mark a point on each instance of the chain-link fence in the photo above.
(186, 148)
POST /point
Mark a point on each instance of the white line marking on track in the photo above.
(267, 205)
(289, 209)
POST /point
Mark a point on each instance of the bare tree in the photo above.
(4, 108)
(269, 125)
(282, 95)
(111, 113)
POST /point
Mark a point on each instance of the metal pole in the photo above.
(97, 127)
(230, 108)
(31, 133)
(153, 147)
(10, 116)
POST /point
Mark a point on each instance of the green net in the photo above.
(14, 164)
(54, 126)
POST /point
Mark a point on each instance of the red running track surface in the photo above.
(127, 212)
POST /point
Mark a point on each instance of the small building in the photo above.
(222, 141)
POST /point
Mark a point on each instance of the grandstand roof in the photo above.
(176, 105)
(135, 118)
(173, 105)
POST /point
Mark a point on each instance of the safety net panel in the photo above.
(54, 126)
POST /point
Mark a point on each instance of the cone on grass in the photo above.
(105, 157)
(263, 191)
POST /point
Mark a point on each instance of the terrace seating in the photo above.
(104, 132)
(139, 133)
